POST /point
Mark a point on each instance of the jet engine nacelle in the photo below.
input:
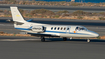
(37, 28)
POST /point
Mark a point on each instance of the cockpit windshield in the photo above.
(81, 29)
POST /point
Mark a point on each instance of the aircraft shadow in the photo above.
(82, 40)
(37, 39)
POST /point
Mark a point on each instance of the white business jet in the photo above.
(64, 31)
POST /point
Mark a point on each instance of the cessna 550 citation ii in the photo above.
(64, 31)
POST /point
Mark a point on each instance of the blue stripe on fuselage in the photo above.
(22, 29)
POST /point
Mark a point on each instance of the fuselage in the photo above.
(57, 30)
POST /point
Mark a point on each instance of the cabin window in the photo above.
(51, 28)
(77, 29)
(58, 28)
(65, 28)
(61, 28)
(55, 28)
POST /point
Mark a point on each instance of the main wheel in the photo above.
(64, 39)
(42, 39)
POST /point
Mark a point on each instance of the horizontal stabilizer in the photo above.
(15, 22)
(29, 20)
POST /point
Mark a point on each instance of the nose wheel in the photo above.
(88, 40)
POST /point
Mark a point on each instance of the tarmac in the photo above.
(53, 48)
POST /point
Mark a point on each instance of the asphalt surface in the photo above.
(97, 26)
(53, 48)
(56, 8)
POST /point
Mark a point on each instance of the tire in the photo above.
(65, 39)
(42, 39)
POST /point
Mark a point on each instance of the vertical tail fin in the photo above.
(16, 16)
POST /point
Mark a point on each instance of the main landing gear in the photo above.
(64, 39)
(42, 39)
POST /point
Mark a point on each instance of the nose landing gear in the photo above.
(88, 40)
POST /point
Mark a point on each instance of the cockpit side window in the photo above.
(80, 29)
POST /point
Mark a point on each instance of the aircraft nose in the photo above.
(95, 34)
